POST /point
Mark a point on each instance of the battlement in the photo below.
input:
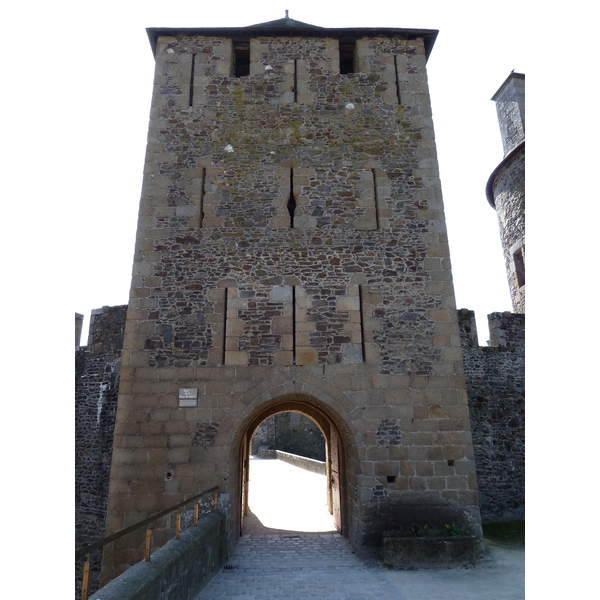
(277, 97)
(107, 328)
(97, 376)
(495, 377)
(78, 328)
(507, 330)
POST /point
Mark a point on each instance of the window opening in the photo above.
(347, 52)
(376, 200)
(519, 267)
(293, 324)
(224, 325)
(291, 205)
(362, 322)
(295, 81)
(397, 83)
(241, 57)
(192, 81)
(202, 192)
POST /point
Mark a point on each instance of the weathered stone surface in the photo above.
(506, 186)
(97, 374)
(496, 388)
(509, 198)
(291, 433)
(322, 318)
(411, 552)
(180, 569)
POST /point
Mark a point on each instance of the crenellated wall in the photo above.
(495, 376)
(292, 256)
(97, 372)
(495, 383)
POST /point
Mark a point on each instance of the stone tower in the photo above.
(291, 255)
(506, 185)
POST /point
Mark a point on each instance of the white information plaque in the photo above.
(188, 396)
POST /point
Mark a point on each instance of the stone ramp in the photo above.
(296, 567)
(290, 550)
(300, 566)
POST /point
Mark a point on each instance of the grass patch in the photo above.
(509, 532)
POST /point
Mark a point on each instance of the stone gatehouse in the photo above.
(291, 255)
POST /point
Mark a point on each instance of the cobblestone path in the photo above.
(297, 566)
(290, 551)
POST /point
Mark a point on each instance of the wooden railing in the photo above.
(89, 548)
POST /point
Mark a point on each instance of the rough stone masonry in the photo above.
(291, 254)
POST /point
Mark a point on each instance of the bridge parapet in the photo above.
(179, 569)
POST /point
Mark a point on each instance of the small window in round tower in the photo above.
(519, 267)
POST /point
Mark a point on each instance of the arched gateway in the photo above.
(340, 451)
(291, 253)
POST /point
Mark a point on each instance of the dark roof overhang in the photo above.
(512, 75)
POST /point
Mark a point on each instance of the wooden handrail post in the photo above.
(148, 544)
(177, 525)
(195, 514)
(216, 501)
(86, 576)
(90, 547)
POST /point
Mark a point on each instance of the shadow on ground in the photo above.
(509, 533)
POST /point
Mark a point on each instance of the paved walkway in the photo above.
(300, 556)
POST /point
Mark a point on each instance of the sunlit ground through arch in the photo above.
(284, 498)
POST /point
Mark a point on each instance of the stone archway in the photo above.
(336, 441)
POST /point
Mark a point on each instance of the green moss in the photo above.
(238, 96)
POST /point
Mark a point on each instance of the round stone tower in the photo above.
(505, 189)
